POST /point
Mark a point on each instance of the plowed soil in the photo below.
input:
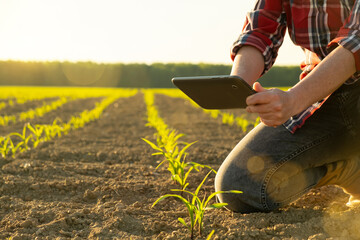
(99, 182)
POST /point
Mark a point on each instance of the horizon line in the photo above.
(129, 62)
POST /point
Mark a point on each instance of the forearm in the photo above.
(248, 64)
(330, 74)
(275, 106)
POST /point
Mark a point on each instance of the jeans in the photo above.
(273, 167)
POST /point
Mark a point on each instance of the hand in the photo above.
(273, 106)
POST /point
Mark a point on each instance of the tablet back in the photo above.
(215, 92)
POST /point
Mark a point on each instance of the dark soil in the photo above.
(99, 182)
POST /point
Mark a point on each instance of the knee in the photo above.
(236, 203)
(244, 169)
(232, 178)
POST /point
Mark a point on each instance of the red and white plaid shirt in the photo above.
(317, 26)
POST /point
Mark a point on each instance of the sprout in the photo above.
(196, 207)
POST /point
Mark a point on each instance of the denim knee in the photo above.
(265, 186)
(235, 202)
(232, 175)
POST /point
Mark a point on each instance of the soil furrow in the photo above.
(99, 182)
(18, 108)
(65, 112)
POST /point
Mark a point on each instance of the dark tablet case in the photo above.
(215, 92)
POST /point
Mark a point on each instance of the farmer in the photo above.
(309, 135)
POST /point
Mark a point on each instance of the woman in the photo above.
(310, 134)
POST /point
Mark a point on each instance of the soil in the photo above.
(100, 181)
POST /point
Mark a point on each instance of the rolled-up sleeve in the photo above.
(349, 34)
(264, 29)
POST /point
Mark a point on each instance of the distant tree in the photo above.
(135, 75)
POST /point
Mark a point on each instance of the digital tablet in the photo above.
(215, 92)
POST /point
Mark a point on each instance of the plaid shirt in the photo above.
(317, 26)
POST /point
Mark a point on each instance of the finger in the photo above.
(258, 98)
(260, 108)
(275, 108)
(257, 87)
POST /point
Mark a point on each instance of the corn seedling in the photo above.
(2, 105)
(5, 120)
(196, 207)
(214, 113)
(167, 145)
(175, 158)
(210, 235)
(18, 147)
(228, 119)
(24, 140)
(257, 121)
(37, 132)
(4, 146)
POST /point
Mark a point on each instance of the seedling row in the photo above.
(227, 118)
(168, 146)
(33, 134)
(174, 154)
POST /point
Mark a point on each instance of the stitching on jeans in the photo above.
(282, 162)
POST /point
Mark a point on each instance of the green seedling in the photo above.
(176, 161)
(257, 122)
(55, 129)
(243, 123)
(2, 105)
(210, 235)
(24, 140)
(14, 148)
(214, 113)
(4, 146)
(167, 144)
(228, 119)
(5, 120)
(11, 103)
(37, 131)
(196, 207)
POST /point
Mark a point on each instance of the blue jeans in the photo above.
(274, 167)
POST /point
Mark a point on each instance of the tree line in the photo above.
(134, 75)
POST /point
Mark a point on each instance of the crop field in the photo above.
(102, 163)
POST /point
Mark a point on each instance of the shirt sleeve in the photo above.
(349, 34)
(264, 29)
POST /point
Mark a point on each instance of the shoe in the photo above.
(353, 202)
(346, 174)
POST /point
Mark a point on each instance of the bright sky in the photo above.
(143, 31)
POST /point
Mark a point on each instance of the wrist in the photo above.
(297, 101)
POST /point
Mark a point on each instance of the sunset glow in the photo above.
(125, 31)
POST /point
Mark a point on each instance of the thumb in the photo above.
(257, 87)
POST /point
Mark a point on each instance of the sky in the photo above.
(128, 31)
